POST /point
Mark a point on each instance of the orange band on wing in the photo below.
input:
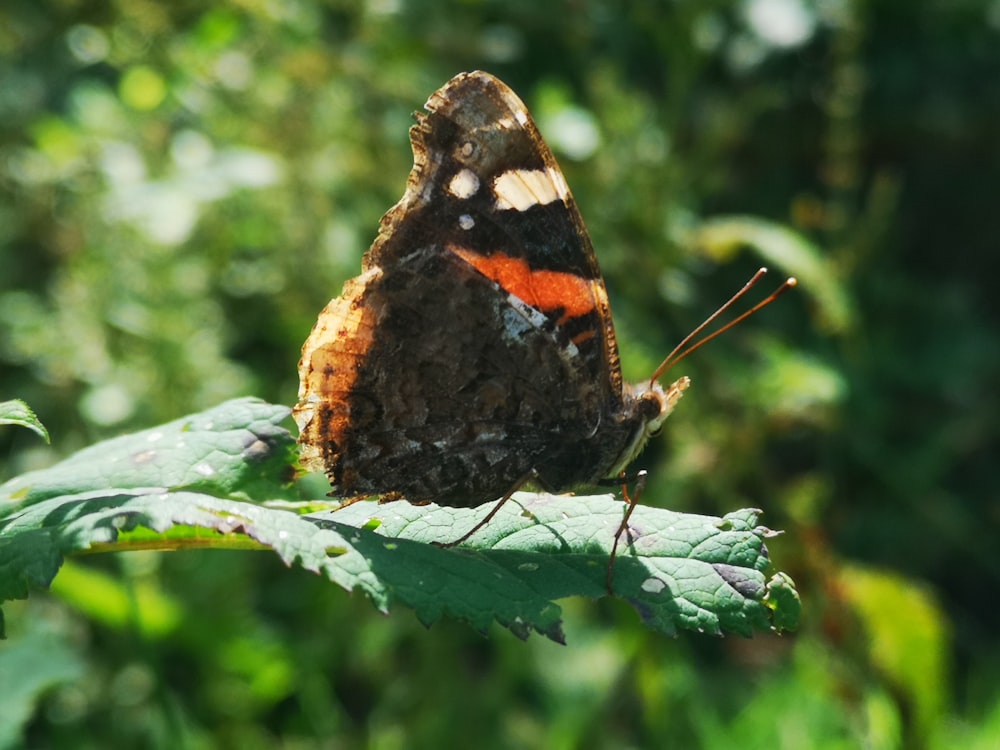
(544, 290)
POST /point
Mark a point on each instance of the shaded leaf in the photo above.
(34, 663)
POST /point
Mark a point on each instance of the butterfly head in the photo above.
(651, 403)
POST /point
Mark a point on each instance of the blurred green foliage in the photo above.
(182, 188)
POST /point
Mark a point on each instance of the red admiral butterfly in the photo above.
(476, 350)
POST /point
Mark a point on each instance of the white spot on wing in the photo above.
(464, 185)
(521, 318)
(466, 222)
(521, 189)
(562, 189)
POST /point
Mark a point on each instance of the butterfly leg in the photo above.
(529, 477)
(632, 500)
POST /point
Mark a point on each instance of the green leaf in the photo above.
(681, 571)
(722, 236)
(19, 413)
(134, 604)
(783, 600)
(31, 665)
(185, 484)
(235, 450)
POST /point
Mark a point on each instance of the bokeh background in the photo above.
(184, 185)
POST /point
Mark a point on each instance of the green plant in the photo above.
(222, 479)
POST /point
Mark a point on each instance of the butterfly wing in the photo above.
(477, 345)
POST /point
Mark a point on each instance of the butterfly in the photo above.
(476, 352)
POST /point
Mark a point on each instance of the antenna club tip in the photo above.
(791, 281)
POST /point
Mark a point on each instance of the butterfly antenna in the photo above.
(685, 347)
